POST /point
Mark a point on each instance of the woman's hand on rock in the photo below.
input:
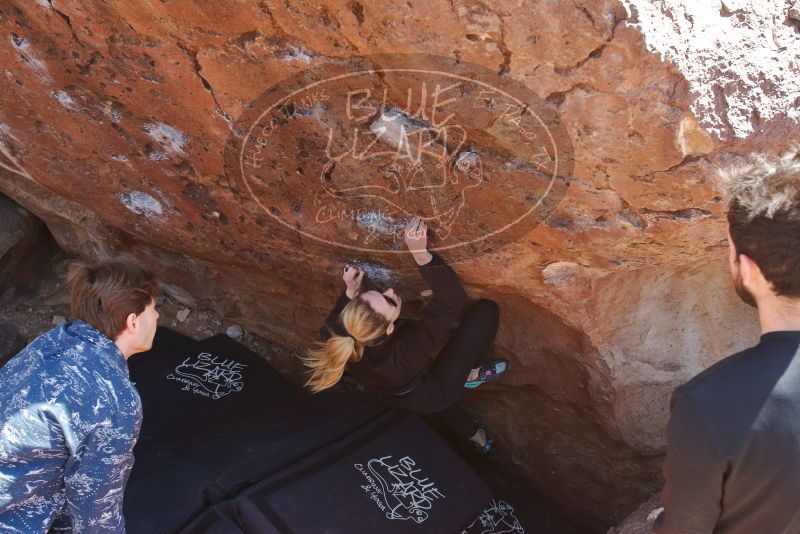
(416, 237)
(352, 278)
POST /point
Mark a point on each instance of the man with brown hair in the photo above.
(733, 440)
(69, 415)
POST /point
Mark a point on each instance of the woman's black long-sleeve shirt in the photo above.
(395, 363)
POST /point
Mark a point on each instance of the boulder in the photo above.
(641, 520)
(19, 234)
(169, 133)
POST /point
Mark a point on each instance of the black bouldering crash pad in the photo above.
(228, 446)
(399, 477)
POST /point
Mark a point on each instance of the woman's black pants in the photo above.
(438, 391)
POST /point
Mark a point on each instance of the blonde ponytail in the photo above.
(328, 360)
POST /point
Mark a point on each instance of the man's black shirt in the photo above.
(733, 444)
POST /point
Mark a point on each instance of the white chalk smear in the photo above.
(377, 221)
(30, 58)
(141, 203)
(171, 139)
(64, 99)
(395, 127)
(467, 161)
(114, 115)
(296, 53)
(379, 277)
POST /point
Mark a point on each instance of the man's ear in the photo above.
(390, 329)
(749, 269)
(131, 323)
(731, 247)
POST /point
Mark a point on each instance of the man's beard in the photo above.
(742, 291)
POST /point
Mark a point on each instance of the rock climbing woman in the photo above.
(395, 358)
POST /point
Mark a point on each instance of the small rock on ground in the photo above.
(235, 331)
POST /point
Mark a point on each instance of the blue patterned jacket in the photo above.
(69, 418)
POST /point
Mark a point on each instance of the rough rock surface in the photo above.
(18, 229)
(115, 118)
(641, 521)
(740, 57)
(19, 234)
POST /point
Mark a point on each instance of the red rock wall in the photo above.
(114, 121)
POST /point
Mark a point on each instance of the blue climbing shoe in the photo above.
(487, 447)
(488, 371)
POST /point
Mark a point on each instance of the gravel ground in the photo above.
(48, 305)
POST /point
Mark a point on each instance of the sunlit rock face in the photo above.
(739, 57)
(572, 183)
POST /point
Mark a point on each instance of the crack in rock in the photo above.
(192, 54)
(67, 20)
